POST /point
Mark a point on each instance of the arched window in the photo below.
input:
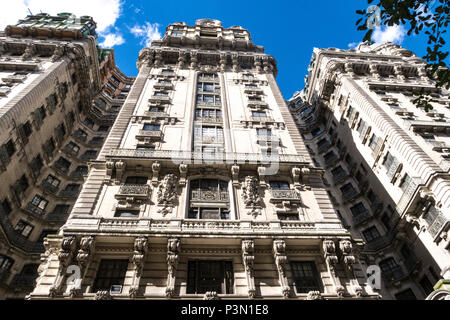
(209, 199)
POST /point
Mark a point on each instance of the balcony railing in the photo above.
(285, 195)
(361, 217)
(166, 86)
(331, 160)
(379, 243)
(349, 195)
(340, 176)
(323, 146)
(209, 104)
(160, 99)
(209, 196)
(156, 114)
(153, 134)
(438, 145)
(49, 187)
(257, 104)
(80, 136)
(70, 151)
(209, 120)
(133, 190)
(189, 156)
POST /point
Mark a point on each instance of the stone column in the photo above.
(248, 258)
(279, 254)
(349, 260)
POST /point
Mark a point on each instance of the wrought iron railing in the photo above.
(210, 196)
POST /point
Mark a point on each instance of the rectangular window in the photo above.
(426, 285)
(405, 182)
(388, 161)
(39, 202)
(279, 185)
(61, 209)
(204, 276)
(371, 234)
(136, 180)
(111, 275)
(24, 228)
(305, 276)
(152, 127)
(27, 128)
(6, 206)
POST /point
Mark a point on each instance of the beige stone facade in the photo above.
(386, 161)
(204, 189)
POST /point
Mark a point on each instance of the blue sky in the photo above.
(288, 30)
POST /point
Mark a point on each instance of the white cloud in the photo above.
(112, 40)
(148, 32)
(104, 12)
(353, 45)
(395, 33)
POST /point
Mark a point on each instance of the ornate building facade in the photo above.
(203, 189)
(386, 161)
(56, 109)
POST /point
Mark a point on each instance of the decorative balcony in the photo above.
(156, 114)
(209, 139)
(267, 139)
(4, 91)
(350, 195)
(430, 125)
(331, 160)
(323, 146)
(285, 200)
(217, 120)
(209, 104)
(70, 151)
(210, 196)
(134, 194)
(79, 136)
(340, 177)
(48, 187)
(163, 86)
(159, 99)
(257, 104)
(19, 78)
(254, 90)
(153, 135)
(379, 243)
(262, 119)
(361, 217)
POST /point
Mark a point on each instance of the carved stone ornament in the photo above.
(248, 258)
(329, 250)
(211, 295)
(250, 195)
(279, 252)
(346, 249)
(102, 295)
(65, 256)
(314, 295)
(167, 194)
(139, 254)
(173, 249)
